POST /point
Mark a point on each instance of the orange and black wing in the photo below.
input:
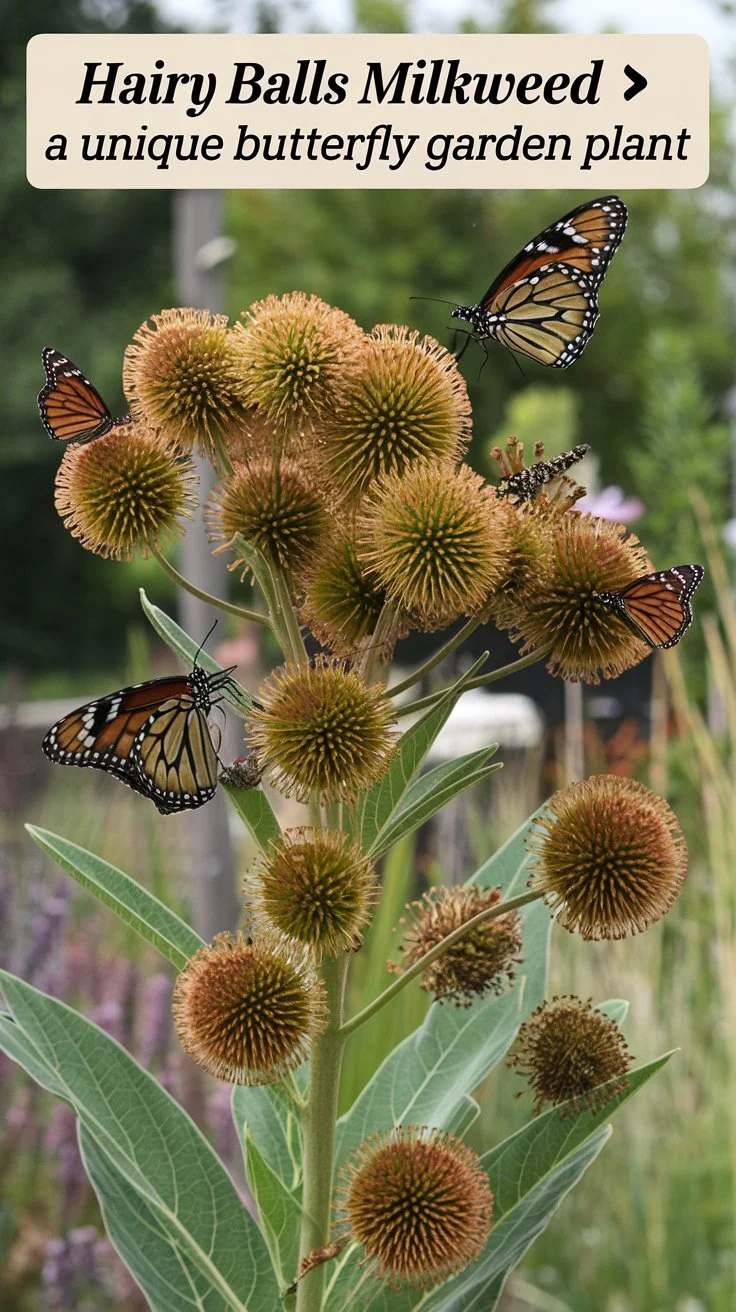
(174, 756)
(102, 733)
(657, 606)
(585, 240)
(71, 409)
(549, 316)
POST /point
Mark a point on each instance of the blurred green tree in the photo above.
(79, 270)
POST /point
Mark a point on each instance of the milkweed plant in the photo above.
(343, 498)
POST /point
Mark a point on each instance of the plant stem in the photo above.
(445, 650)
(253, 615)
(318, 1130)
(478, 682)
(490, 913)
(382, 642)
(222, 459)
(290, 628)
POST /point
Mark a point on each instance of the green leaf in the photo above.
(267, 1112)
(433, 790)
(256, 812)
(262, 573)
(19, 1048)
(169, 1278)
(165, 1162)
(530, 1174)
(464, 1115)
(428, 1079)
(427, 1075)
(616, 1008)
(125, 896)
(279, 1213)
(185, 647)
(376, 807)
(508, 868)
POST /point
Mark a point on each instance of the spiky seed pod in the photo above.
(610, 857)
(321, 730)
(343, 598)
(317, 887)
(181, 373)
(124, 491)
(419, 1204)
(275, 506)
(559, 601)
(567, 1049)
(293, 351)
(437, 539)
(255, 437)
(404, 400)
(531, 535)
(247, 1012)
(483, 960)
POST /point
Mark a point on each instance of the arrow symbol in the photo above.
(637, 80)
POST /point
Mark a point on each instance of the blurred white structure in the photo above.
(481, 718)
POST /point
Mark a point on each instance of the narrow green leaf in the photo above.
(508, 868)
(433, 790)
(125, 896)
(463, 1116)
(170, 1280)
(376, 807)
(267, 1113)
(185, 647)
(616, 1008)
(278, 1211)
(261, 571)
(256, 812)
(19, 1048)
(428, 1080)
(511, 1237)
(530, 1174)
(425, 1077)
(155, 1147)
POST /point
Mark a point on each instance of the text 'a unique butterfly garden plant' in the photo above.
(343, 498)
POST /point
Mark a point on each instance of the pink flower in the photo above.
(611, 503)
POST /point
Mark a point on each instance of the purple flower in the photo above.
(611, 503)
(156, 1026)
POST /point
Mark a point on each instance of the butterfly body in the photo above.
(153, 736)
(71, 409)
(524, 485)
(544, 303)
(657, 606)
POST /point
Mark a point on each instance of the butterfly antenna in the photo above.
(207, 635)
(435, 300)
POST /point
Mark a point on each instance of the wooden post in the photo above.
(197, 232)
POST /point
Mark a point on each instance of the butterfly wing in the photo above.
(657, 606)
(71, 409)
(101, 734)
(549, 316)
(586, 240)
(174, 758)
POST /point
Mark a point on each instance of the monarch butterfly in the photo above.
(524, 485)
(153, 736)
(544, 304)
(657, 606)
(71, 409)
